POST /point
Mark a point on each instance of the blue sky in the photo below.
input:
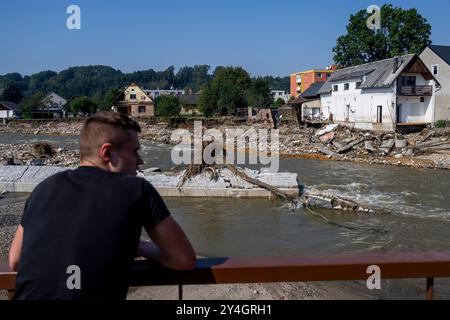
(266, 37)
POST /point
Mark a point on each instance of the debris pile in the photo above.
(37, 154)
(342, 143)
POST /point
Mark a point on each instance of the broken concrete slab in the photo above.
(351, 145)
(26, 178)
(368, 145)
(327, 137)
(150, 170)
(386, 146)
(327, 129)
(401, 143)
(387, 143)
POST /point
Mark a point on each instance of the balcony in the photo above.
(415, 91)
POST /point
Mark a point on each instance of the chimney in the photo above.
(395, 65)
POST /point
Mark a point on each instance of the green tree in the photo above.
(12, 93)
(226, 92)
(83, 105)
(278, 83)
(206, 103)
(193, 78)
(107, 102)
(402, 32)
(167, 106)
(280, 102)
(258, 95)
(31, 104)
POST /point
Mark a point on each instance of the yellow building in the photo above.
(134, 102)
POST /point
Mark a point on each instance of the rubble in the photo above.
(351, 145)
(334, 142)
(25, 154)
(329, 128)
(348, 144)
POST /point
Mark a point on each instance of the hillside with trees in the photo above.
(99, 82)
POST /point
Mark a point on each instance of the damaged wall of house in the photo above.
(367, 109)
(415, 108)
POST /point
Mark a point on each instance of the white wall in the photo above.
(362, 105)
(442, 99)
(280, 94)
(414, 111)
(5, 114)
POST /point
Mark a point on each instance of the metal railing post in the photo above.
(10, 294)
(180, 292)
(430, 284)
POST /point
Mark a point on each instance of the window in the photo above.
(328, 75)
(319, 75)
(379, 114)
(358, 84)
(335, 88)
(408, 81)
(422, 99)
(141, 109)
(346, 86)
(435, 69)
(132, 96)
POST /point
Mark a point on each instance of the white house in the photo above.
(8, 110)
(276, 94)
(53, 100)
(52, 105)
(381, 95)
(437, 59)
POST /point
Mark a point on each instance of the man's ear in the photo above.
(105, 152)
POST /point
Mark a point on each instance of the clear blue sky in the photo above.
(266, 37)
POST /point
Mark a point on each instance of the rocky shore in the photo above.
(427, 149)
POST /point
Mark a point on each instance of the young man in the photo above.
(87, 222)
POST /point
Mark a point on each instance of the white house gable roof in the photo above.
(378, 74)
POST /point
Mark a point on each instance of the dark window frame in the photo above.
(379, 114)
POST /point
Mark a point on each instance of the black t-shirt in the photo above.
(88, 218)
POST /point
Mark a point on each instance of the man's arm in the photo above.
(170, 246)
(16, 249)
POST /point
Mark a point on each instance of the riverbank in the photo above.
(10, 216)
(426, 149)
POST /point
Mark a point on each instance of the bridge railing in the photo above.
(284, 269)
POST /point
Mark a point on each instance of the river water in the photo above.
(419, 200)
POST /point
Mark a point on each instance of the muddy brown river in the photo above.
(419, 200)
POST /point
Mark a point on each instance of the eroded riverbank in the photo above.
(427, 149)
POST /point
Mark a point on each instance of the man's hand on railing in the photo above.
(151, 251)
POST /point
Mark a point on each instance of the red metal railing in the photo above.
(284, 269)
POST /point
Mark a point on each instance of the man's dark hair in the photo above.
(105, 127)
